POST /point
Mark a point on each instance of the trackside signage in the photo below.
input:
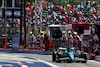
(11, 13)
(15, 43)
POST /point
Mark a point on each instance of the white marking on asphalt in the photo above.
(7, 61)
(24, 66)
(11, 55)
(6, 65)
(52, 65)
(30, 62)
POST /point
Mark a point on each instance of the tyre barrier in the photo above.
(90, 56)
(97, 58)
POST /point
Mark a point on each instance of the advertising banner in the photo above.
(15, 43)
(12, 13)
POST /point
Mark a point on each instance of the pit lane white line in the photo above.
(29, 62)
(10, 65)
(8, 61)
(52, 65)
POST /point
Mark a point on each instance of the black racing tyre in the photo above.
(53, 57)
(85, 58)
(58, 61)
(70, 60)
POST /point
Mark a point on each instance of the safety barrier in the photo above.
(97, 58)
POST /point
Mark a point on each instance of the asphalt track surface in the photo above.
(35, 60)
(11, 60)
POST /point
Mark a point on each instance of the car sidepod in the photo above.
(71, 55)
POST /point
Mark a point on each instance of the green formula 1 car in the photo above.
(69, 52)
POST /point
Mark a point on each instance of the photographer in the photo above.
(76, 41)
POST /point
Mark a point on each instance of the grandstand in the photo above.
(53, 12)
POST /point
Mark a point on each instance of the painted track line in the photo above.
(22, 65)
(52, 65)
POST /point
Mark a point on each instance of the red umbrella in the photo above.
(29, 17)
(46, 7)
(51, 22)
(28, 3)
(49, 11)
(57, 6)
(58, 13)
(63, 22)
(68, 10)
(27, 25)
(66, 21)
(62, 14)
(33, 11)
(53, 15)
(61, 9)
(43, 16)
(66, 16)
(28, 13)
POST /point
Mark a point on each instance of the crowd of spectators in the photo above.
(72, 14)
(57, 14)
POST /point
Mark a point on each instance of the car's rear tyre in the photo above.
(53, 57)
(83, 61)
(58, 61)
(85, 58)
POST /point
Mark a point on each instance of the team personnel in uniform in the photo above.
(31, 39)
(70, 39)
(64, 39)
(41, 40)
(46, 42)
(76, 41)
